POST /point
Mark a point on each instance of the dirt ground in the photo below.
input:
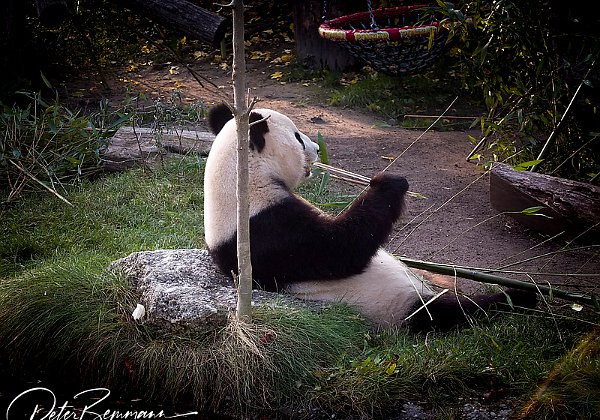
(455, 223)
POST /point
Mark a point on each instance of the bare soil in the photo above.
(455, 223)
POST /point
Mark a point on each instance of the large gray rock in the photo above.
(183, 289)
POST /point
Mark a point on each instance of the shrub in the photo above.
(529, 61)
(45, 144)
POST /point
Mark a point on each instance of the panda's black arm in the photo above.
(293, 241)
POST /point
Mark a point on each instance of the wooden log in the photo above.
(52, 12)
(567, 205)
(141, 146)
(184, 16)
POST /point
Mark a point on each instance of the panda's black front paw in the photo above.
(389, 182)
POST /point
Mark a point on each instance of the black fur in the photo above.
(257, 132)
(292, 241)
(449, 310)
(300, 140)
(218, 116)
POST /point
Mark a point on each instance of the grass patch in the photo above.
(74, 320)
(60, 311)
(392, 98)
(110, 217)
(508, 354)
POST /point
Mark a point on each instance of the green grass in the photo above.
(510, 353)
(61, 311)
(391, 98)
(74, 320)
(394, 97)
(110, 217)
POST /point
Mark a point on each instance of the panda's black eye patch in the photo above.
(258, 131)
(300, 140)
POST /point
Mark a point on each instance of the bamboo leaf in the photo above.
(391, 369)
(531, 210)
(323, 155)
(324, 183)
(526, 165)
(595, 303)
(576, 307)
(46, 81)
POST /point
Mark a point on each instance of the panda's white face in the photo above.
(279, 154)
(288, 154)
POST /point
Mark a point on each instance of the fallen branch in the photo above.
(480, 277)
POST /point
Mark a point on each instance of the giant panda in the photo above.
(296, 248)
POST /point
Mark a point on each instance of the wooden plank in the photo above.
(569, 205)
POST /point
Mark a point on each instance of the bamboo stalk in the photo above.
(350, 180)
(480, 277)
(449, 117)
(343, 174)
(353, 178)
(562, 119)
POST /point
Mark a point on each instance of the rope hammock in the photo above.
(397, 40)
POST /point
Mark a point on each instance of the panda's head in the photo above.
(278, 149)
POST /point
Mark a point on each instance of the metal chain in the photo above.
(324, 16)
(374, 24)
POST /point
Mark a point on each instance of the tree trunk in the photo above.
(17, 60)
(569, 205)
(310, 47)
(52, 12)
(241, 115)
(183, 16)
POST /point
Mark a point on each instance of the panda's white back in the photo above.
(282, 159)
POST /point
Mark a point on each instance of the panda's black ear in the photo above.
(218, 116)
(258, 131)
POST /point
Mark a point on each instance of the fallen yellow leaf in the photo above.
(277, 75)
(286, 58)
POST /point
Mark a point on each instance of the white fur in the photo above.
(283, 158)
(386, 290)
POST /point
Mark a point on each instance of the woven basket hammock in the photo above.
(401, 44)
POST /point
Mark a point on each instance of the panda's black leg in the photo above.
(449, 311)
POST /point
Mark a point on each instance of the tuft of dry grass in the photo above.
(72, 319)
